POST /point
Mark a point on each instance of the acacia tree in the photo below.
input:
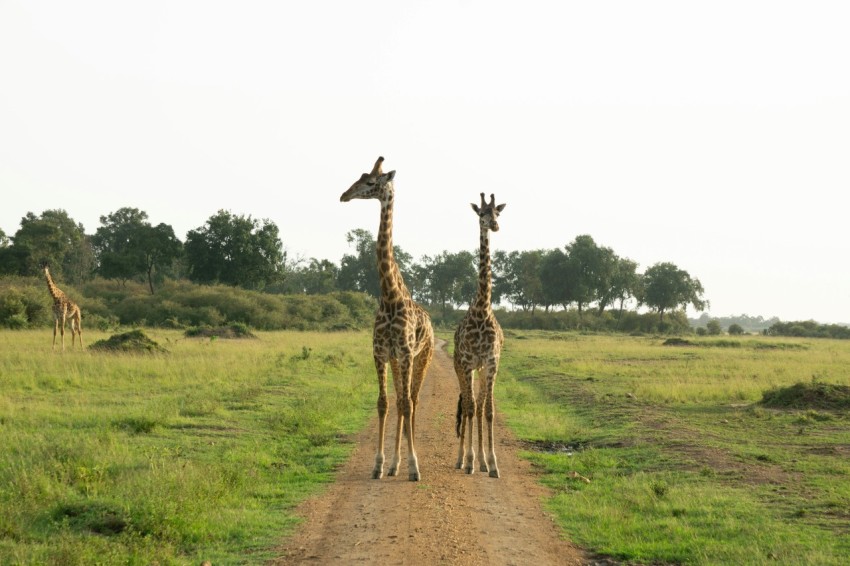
(234, 250)
(53, 238)
(317, 277)
(116, 244)
(359, 271)
(160, 247)
(127, 246)
(516, 276)
(555, 279)
(452, 278)
(667, 287)
(588, 269)
(625, 284)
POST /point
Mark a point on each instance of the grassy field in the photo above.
(199, 454)
(656, 453)
(664, 454)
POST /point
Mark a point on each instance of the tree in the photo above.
(318, 277)
(127, 246)
(516, 276)
(160, 247)
(713, 328)
(117, 246)
(452, 278)
(607, 278)
(735, 329)
(625, 284)
(667, 287)
(234, 250)
(555, 279)
(53, 238)
(589, 271)
(359, 272)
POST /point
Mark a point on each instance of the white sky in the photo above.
(715, 135)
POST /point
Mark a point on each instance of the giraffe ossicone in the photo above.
(403, 338)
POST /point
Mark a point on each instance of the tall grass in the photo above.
(197, 454)
(685, 464)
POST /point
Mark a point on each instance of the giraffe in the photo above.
(403, 337)
(63, 308)
(478, 346)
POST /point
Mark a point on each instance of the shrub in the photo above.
(808, 329)
(735, 329)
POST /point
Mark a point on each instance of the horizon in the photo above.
(713, 137)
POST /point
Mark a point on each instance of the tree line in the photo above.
(241, 251)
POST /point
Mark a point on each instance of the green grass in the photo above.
(685, 463)
(200, 454)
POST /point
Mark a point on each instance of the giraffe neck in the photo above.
(392, 284)
(484, 296)
(55, 292)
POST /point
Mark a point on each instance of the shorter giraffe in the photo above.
(63, 309)
(478, 347)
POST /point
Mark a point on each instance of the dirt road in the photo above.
(446, 518)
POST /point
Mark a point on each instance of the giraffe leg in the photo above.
(406, 409)
(461, 429)
(460, 421)
(393, 471)
(468, 416)
(490, 413)
(62, 332)
(479, 414)
(55, 330)
(381, 366)
(79, 324)
(420, 368)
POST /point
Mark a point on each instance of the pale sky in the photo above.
(714, 135)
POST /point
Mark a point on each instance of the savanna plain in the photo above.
(709, 451)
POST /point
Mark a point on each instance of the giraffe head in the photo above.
(488, 213)
(377, 185)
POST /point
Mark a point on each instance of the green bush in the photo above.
(735, 329)
(23, 305)
(808, 329)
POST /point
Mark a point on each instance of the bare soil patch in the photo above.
(448, 517)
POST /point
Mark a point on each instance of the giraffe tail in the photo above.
(459, 414)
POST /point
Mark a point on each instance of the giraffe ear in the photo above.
(501, 207)
(391, 175)
(475, 208)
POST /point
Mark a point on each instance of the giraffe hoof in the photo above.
(484, 468)
(377, 474)
(469, 470)
(459, 465)
(494, 473)
(414, 476)
(392, 472)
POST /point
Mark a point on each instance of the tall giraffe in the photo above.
(403, 337)
(478, 346)
(64, 308)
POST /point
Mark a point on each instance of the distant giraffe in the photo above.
(63, 309)
(478, 346)
(403, 337)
